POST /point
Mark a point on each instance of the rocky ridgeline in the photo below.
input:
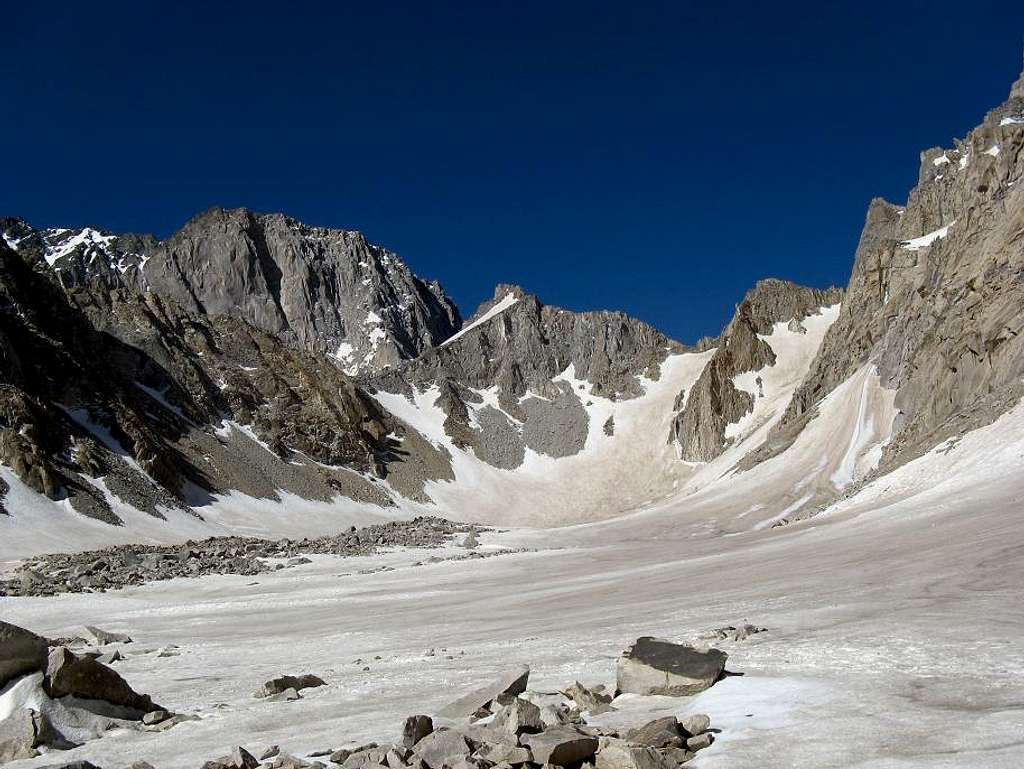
(121, 566)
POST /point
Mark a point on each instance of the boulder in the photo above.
(20, 735)
(21, 652)
(155, 717)
(619, 754)
(441, 747)
(88, 679)
(504, 753)
(518, 717)
(656, 666)
(513, 682)
(588, 700)
(695, 724)
(700, 741)
(97, 637)
(283, 683)
(660, 733)
(560, 746)
(415, 729)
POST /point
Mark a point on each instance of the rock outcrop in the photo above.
(714, 401)
(935, 295)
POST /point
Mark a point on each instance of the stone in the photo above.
(288, 695)
(619, 754)
(97, 637)
(282, 683)
(20, 734)
(471, 541)
(695, 724)
(365, 758)
(588, 700)
(21, 652)
(88, 679)
(415, 729)
(504, 753)
(141, 765)
(656, 666)
(518, 717)
(512, 682)
(110, 657)
(155, 717)
(242, 758)
(442, 746)
(659, 733)
(700, 741)
(270, 752)
(560, 746)
(78, 764)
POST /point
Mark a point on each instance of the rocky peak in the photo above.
(324, 290)
(80, 256)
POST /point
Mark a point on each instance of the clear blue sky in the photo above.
(656, 158)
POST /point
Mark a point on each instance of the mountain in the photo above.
(251, 366)
(80, 256)
(321, 290)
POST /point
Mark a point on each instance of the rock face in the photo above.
(322, 290)
(519, 374)
(714, 402)
(149, 395)
(935, 295)
(655, 666)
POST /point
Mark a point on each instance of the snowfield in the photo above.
(894, 615)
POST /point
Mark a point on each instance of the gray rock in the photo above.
(505, 753)
(619, 754)
(700, 741)
(518, 717)
(97, 637)
(695, 724)
(20, 734)
(656, 666)
(155, 717)
(415, 729)
(284, 683)
(659, 733)
(21, 652)
(513, 682)
(274, 750)
(560, 746)
(440, 747)
(88, 679)
(588, 701)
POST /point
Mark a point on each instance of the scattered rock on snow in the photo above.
(97, 637)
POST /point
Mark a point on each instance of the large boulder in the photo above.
(84, 678)
(21, 652)
(20, 735)
(656, 666)
(511, 683)
(660, 733)
(415, 729)
(518, 717)
(560, 746)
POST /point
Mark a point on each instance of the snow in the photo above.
(993, 150)
(1011, 121)
(916, 244)
(86, 237)
(507, 301)
(344, 352)
(11, 242)
(941, 160)
(372, 318)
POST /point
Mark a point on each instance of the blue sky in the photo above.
(656, 158)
